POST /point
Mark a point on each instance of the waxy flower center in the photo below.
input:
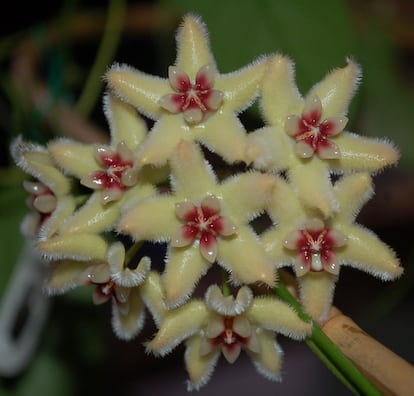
(118, 175)
(311, 134)
(315, 245)
(202, 222)
(194, 100)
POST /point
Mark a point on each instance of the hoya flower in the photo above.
(203, 221)
(227, 325)
(317, 248)
(195, 103)
(114, 281)
(49, 192)
(307, 137)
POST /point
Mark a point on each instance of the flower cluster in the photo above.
(94, 206)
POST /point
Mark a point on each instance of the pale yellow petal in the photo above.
(352, 192)
(152, 294)
(178, 325)
(272, 314)
(199, 366)
(124, 122)
(272, 242)
(193, 44)
(153, 219)
(363, 153)
(337, 89)
(141, 90)
(93, 216)
(162, 139)
(127, 325)
(280, 95)
(183, 270)
(241, 87)
(191, 175)
(63, 275)
(64, 208)
(312, 181)
(77, 159)
(74, 246)
(269, 361)
(268, 148)
(224, 135)
(316, 294)
(366, 252)
(246, 195)
(244, 258)
(37, 162)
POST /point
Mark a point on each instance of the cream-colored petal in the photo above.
(316, 294)
(244, 258)
(214, 328)
(231, 353)
(127, 325)
(37, 162)
(75, 158)
(364, 153)
(272, 242)
(242, 326)
(246, 195)
(191, 175)
(228, 305)
(178, 79)
(93, 216)
(152, 294)
(268, 148)
(366, 252)
(193, 44)
(64, 208)
(124, 122)
(77, 246)
(352, 193)
(269, 361)
(162, 139)
(337, 89)
(303, 150)
(178, 325)
(200, 367)
(280, 95)
(223, 134)
(153, 219)
(272, 314)
(141, 90)
(241, 87)
(63, 276)
(183, 269)
(312, 181)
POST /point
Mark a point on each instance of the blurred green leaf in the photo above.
(317, 35)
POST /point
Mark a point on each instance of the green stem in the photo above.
(225, 287)
(329, 353)
(132, 251)
(107, 48)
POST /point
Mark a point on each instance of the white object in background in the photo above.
(23, 311)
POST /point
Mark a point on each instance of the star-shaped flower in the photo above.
(227, 325)
(109, 170)
(49, 193)
(203, 221)
(306, 136)
(127, 288)
(196, 102)
(316, 248)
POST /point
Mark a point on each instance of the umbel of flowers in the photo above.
(94, 206)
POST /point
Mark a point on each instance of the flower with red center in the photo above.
(203, 223)
(118, 175)
(204, 105)
(312, 135)
(227, 325)
(210, 211)
(318, 249)
(194, 100)
(115, 281)
(315, 245)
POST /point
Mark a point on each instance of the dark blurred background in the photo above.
(52, 57)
